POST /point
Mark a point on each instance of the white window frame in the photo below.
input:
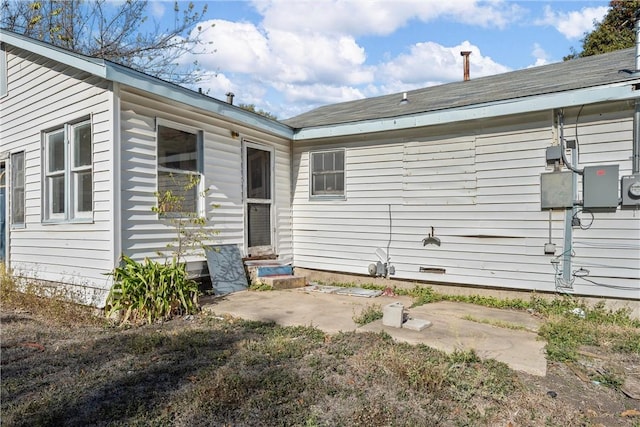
(199, 173)
(70, 175)
(16, 185)
(333, 196)
(4, 73)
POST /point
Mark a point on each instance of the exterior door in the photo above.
(259, 199)
(3, 211)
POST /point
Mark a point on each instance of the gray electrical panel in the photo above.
(630, 189)
(600, 188)
(555, 190)
(553, 154)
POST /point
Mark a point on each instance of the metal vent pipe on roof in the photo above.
(230, 96)
(465, 54)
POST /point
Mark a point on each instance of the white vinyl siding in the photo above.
(143, 235)
(479, 188)
(45, 95)
(438, 168)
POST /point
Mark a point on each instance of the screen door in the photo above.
(259, 200)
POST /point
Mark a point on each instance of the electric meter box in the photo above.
(600, 188)
(555, 190)
(630, 189)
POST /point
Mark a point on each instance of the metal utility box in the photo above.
(600, 188)
(630, 189)
(553, 154)
(555, 190)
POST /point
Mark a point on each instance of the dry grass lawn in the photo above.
(63, 366)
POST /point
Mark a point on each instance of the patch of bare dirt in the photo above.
(581, 388)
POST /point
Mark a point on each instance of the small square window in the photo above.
(327, 173)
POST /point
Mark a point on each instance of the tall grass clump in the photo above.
(55, 302)
(569, 326)
(151, 291)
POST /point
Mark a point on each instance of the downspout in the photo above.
(636, 116)
(116, 205)
(567, 281)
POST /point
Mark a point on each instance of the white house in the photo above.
(441, 185)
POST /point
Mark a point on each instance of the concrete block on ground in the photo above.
(284, 281)
(393, 314)
(416, 324)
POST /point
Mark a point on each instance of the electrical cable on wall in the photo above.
(579, 221)
(607, 245)
(562, 284)
(389, 270)
(622, 288)
(563, 147)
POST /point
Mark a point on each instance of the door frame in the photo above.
(259, 250)
(4, 235)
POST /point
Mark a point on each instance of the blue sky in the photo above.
(289, 56)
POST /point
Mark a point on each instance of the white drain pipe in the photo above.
(636, 116)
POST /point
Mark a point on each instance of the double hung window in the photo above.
(68, 172)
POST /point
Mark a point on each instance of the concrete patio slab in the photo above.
(513, 342)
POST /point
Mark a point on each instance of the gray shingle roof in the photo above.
(558, 77)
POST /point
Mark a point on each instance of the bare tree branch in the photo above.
(119, 32)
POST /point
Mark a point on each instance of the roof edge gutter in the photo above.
(93, 66)
(614, 92)
(128, 77)
(131, 78)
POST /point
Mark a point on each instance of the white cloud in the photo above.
(242, 47)
(380, 17)
(306, 53)
(311, 57)
(239, 47)
(542, 58)
(574, 24)
(429, 63)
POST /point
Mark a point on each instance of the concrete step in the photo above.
(257, 269)
(285, 281)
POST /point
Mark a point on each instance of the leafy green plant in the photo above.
(368, 314)
(191, 230)
(155, 291)
(151, 290)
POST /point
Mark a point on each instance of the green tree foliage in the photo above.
(116, 31)
(615, 32)
(191, 230)
(252, 108)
